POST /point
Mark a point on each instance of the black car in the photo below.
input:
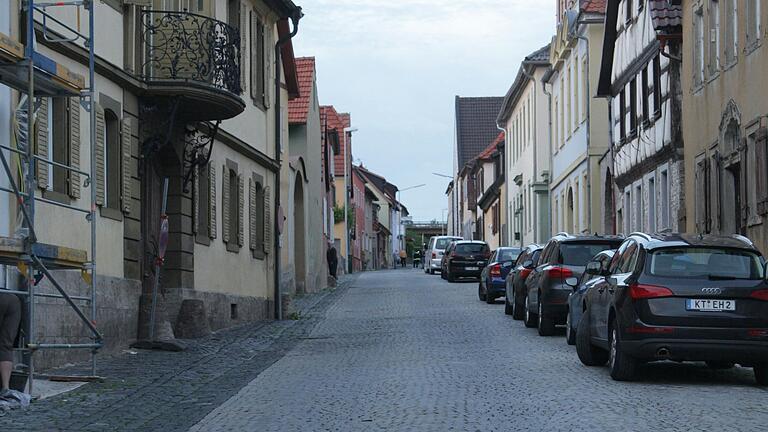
(679, 297)
(444, 260)
(515, 292)
(465, 258)
(564, 257)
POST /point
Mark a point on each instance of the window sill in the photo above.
(729, 66)
(697, 88)
(57, 196)
(714, 75)
(259, 255)
(754, 46)
(110, 213)
(203, 239)
(233, 247)
(754, 221)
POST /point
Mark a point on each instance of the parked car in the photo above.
(466, 258)
(680, 297)
(492, 283)
(564, 256)
(592, 274)
(515, 286)
(435, 251)
(444, 259)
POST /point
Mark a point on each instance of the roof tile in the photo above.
(475, 125)
(298, 108)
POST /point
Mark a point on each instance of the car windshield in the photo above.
(579, 254)
(471, 248)
(443, 243)
(706, 263)
(507, 255)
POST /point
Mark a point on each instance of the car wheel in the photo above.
(450, 278)
(480, 294)
(570, 333)
(622, 366)
(518, 312)
(489, 298)
(530, 318)
(761, 374)
(508, 309)
(589, 354)
(719, 365)
(545, 325)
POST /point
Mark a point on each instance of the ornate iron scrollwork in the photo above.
(189, 47)
(198, 146)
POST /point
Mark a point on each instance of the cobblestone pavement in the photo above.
(399, 351)
(160, 391)
(406, 351)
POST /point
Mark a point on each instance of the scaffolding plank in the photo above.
(54, 257)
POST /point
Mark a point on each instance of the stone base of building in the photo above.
(222, 310)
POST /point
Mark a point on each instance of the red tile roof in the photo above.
(338, 121)
(488, 152)
(298, 108)
(594, 6)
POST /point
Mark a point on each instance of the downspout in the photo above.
(551, 156)
(507, 239)
(613, 162)
(278, 148)
(588, 198)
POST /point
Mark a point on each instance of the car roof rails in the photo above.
(743, 239)
(641, 235)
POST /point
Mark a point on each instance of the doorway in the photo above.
(299, 235)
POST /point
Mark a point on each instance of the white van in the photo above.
(434, 254)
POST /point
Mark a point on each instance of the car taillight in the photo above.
(496, 270)
(525, 272)
(640, 292)
(761, 294)
(559, 272)
(434, 255)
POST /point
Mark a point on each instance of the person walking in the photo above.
(333, 260)
(10, 317)
(403, 257)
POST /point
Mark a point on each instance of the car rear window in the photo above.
(506, 255)
(443, 243)
(579, 254)
(706, 263)
(471, 248)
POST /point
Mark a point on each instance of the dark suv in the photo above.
(466, 258)
(565, 256)
(680, 297)
(515, 294)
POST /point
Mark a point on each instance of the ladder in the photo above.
(36, 76)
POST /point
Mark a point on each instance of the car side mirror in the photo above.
(572, 282)
(528, 264)
(593, 268)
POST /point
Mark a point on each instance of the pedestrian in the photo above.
(416, 259)
(403, 257)
(333, 260)
(10, 317)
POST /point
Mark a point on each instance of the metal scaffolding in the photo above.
(39, 77)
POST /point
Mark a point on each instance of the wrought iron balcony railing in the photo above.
(186, 47)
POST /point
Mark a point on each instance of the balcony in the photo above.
(193, 57)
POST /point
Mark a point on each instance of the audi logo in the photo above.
(712, 291)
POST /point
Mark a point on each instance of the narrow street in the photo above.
(401, 350)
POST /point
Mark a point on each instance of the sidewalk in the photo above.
(152, 390)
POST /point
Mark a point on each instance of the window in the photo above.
(556, 126)
(633, 107)
(623, 114)
(232, 207)
(731, 31)
(579, 254)
(664, 195)
(714, 36)
(652, 205)
(584, 88)
(751, 167)
(753, 22)
(698, 47)
(639, 208)
(113, 155)
(58, 124)
(706, 263)
(627, 212)
(568, 95)
(646, 95)
(561, 122)
(258, 61)
(657, 86)
(203, 195)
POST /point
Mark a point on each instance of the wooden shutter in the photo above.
(714, 192)
(254, 50)
(225, 205)
(125, 162)
(261, 63)
(240, 210)
(267, 221)
(41, 141)
(243, 41)
(196, 199)
(761, 140)
(212, 227)
(74, 146)
(100, 132)
(700, 202)
(251, 214)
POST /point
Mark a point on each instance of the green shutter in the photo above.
(100, 133)
(212, 227)
(251, 214)
(41, 141)
(240, 210)
(74, 146)
(125, 161)
(267, 221)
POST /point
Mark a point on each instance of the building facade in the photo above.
(725, 107)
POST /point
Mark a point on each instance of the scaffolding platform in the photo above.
(51, 79)
(54, 257)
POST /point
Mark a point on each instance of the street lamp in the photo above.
(347, 160)
(442, 175)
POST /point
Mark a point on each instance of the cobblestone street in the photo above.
(398, 350)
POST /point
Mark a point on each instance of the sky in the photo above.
(397, 65)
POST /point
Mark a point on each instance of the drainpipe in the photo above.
(507, 239)
(588, 198)
(278, 138)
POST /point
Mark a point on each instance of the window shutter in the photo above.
(746, 177)
(74, 146)
(251, 214)
(212, 201)
(225, 205)
(125, 147)
(267, 221)
(700, 186)
(41, 141)
(99, 154)
(262, 57)
(240, 207)
(714, 192)
(196, 200)
(243, 41)
(254, 44)
(761, 140)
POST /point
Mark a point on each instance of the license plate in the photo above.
(472, 268)
(710, 305)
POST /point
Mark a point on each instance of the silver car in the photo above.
(435, 250)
